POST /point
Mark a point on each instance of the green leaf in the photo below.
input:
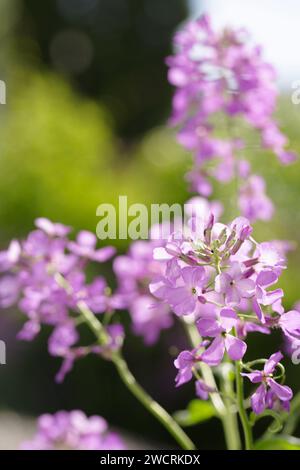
(280, 442)
(196, 412)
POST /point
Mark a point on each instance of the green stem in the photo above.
(223, 408)
(242, 412)
(232, 433)
(151, 405)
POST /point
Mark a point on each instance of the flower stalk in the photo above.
(240, 403)
(135, 388)
(222, 407)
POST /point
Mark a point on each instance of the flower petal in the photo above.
(258, 311)
(258, 400)
(272, 362)
(235, 347)
(283, 392)
(208, 327)
(254, 377)
(214, 353)
(222, 283)
(266, 278)
(202, 389)
(228, 318)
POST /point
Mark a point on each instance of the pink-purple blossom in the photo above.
(225, 282)
(45, 275)
(253, 201)
(219, 329)
(134, 272)
(73, 430)
(223, 74)
(234, 285)
(269, 390)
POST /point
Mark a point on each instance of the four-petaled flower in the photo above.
(219, 328)
(234, 285)
(269, 389)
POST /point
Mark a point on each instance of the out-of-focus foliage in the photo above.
(54, 149)
(278, 443)
(110, 49)
(60, 158)
(197, 411)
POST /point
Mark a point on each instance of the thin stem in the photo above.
(94, 324)
(232, 434)
(223, 408)
(151, 405)
(240, 402)
(128, 379)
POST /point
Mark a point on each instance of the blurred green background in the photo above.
(85, 121)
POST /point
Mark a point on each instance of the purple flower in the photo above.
(203, 209)
(260, 400)
(85, 247)
(199, 182)
(203, 390)
(246, 327)
(73, 430)
(9, 290)
(222, 73)
(149, 318)
(265, 279)
(272, 138)
(10, 257)
(290, 324)
(253, 202)
(215, 267)
(30, 329)
(183, 297)
(62, 338)
(271, 255)
(52, 229)
(185, 363)
(45, 276)
(233, 284)
(219, 328)
(135, 271)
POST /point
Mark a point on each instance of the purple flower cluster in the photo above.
(45, 276)
(73, 430)
(134, 272)
(221, 79)
(223, 280)
(137, 269)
